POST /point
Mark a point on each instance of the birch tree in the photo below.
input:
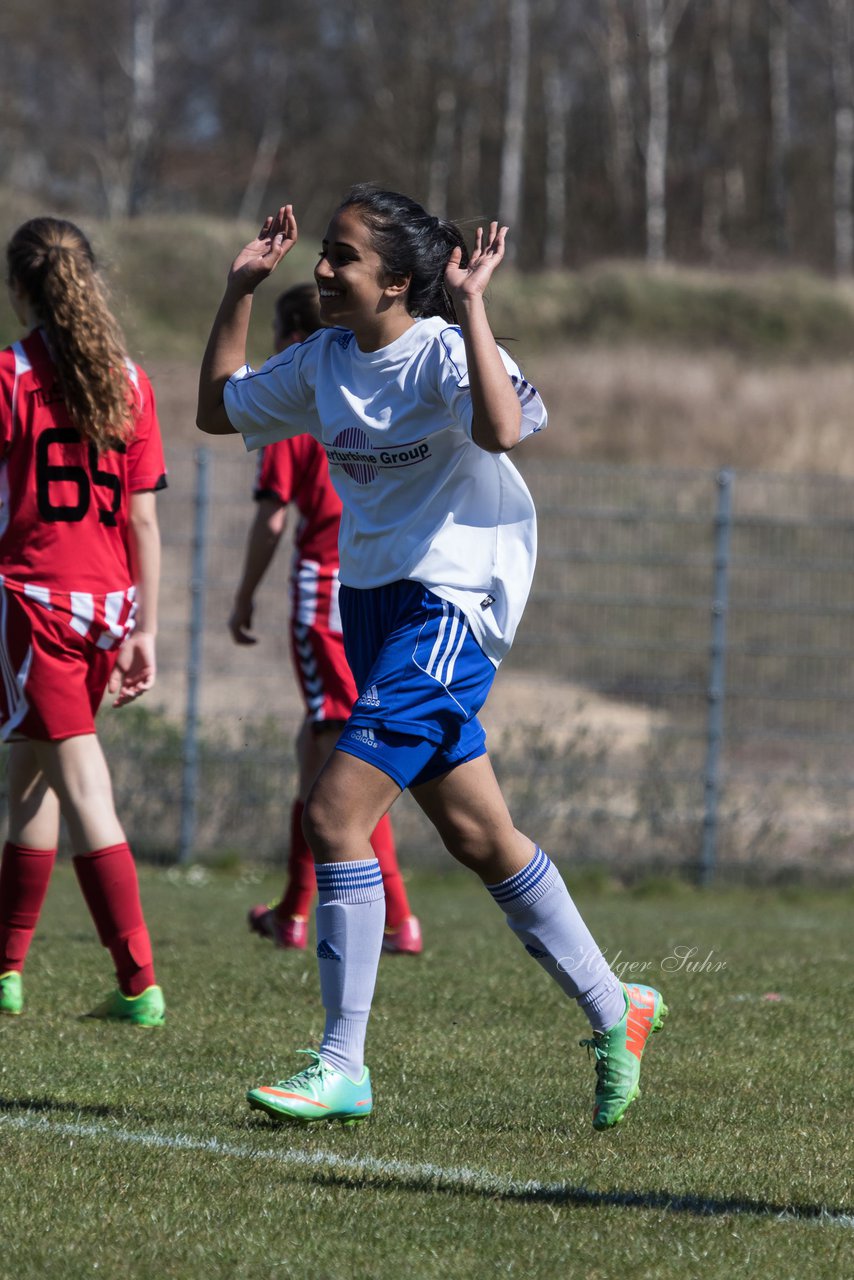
(781, 125)
(274, 77)
(662, 17)
(729, 105)
(557, 97)
(843, 165)
(515, 111)
(145, 15)
(612, 47)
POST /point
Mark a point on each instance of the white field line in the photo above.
(436, 1176)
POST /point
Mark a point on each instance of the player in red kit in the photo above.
(296, 471)
(80, 462)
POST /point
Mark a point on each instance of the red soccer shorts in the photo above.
(53, 677)
(327, 684)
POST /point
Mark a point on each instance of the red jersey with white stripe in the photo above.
(64, 505)
(296, 471)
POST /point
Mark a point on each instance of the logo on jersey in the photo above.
(370, 698)
(352, 451)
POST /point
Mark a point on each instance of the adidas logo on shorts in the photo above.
(370, 698)
(365, 736)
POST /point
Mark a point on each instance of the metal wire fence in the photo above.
(679, 695)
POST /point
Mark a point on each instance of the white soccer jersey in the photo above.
(421, 500)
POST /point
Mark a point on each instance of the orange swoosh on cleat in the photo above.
(300, 1097)
(639, 1020)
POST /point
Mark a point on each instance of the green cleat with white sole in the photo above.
(318, 1092)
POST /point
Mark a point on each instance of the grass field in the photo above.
(129, 1153)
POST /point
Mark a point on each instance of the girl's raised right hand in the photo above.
(262, 255)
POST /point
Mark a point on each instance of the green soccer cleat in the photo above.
(145, 1010)
(11, 993)
(618, 1054)
(318, 1092)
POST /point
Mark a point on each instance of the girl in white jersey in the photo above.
(417, 408)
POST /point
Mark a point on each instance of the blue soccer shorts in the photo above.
(422, 678)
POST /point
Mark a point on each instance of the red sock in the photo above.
(396, 902)
(111, 889)
(301, 884)
(24, 877)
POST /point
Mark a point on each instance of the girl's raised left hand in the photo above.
(263, 254)
(471, 281)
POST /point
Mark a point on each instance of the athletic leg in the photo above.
(344, 806)
(77, 772)
(286, 922)
(468, 810)
(25, 870)
(314, 746)
(347, 800)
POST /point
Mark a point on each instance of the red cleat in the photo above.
(405, 940)
(289, 934)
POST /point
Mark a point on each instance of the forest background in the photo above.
(678, 178)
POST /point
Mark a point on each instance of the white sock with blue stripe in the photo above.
(350, 921)
(541, 913)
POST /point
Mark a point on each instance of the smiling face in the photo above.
(354, 288)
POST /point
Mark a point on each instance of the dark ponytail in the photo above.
(410, 242)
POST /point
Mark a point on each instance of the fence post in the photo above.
(717, 674)
(198, 576)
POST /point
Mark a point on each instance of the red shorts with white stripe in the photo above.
(324, 677)
(57, 651)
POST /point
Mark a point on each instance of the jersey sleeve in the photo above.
(455, 391)
(277, 473)
(276, 401)
(146, 464)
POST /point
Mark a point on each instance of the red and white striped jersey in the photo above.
(63, 505)
(296, 471)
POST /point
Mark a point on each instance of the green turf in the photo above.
(476, 1068)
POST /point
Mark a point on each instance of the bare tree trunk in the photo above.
(781, 124)
(275, 78)
(470, 153)
(144, 17)
(513, 146)
(440, 160)
(843, 167)
(729, 110)
(711, 228)
(616, 54)
(656, 139)
(661, 23)
(262, 165)
(557, 103)
(115, 181)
